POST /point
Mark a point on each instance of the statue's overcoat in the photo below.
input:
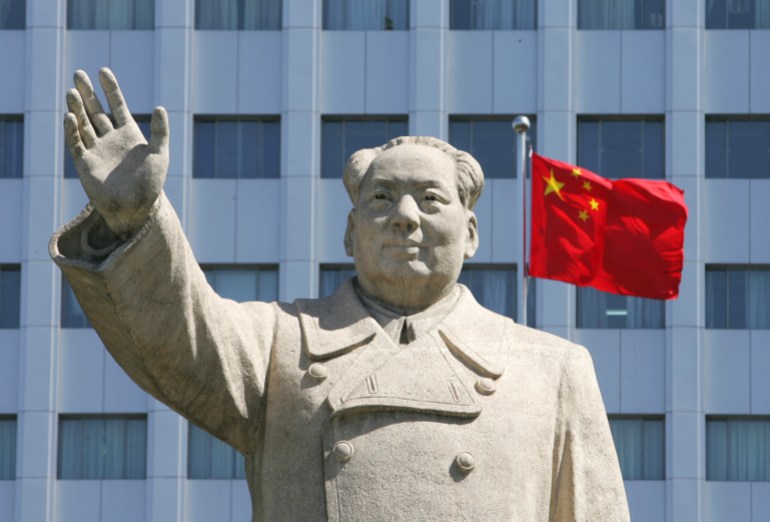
(477, 419)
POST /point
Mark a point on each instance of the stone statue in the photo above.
(397, 398)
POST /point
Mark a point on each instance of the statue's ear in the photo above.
(472, 239)
(349, 233)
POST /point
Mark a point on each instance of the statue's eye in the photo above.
(431, 197)
(380, 195)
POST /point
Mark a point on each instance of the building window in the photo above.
(341, 137)
(640, 444)
(243, 283)
(112, 15)
(597, 309)
(366, 15)
(142, 121)
(622, 147)
(738, 297)
(622, 14)
(10, 296)
(72, 315)
(493, 286)
(13, 14)
(7, 447)
(11, 146)
(232, 15)
(492, 141)
(237, 148)
(102, 447)
(738, 448)
(491, 15)
(737, 147)
(210, 458)
(737, 14)
(332, 277)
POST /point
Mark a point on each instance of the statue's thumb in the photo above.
(159, 131)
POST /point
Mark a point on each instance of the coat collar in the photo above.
(340, 323)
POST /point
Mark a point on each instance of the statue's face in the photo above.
(409, 232)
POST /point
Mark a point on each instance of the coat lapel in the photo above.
(429, 375)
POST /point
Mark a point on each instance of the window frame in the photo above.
(70, 21)
(483, 118)
(727, 418)
(15, 442)
(388, 21)
(638, 5)
(15, 318)
(19, 147)
(724, 156)
(102, 417)
(329, 172)
(18, 17)
(643, 155)
(708, 308)
(455, 19)
(579, 323)
(240, 18)
(644, 417)
(260, 167)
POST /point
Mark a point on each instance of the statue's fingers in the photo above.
(118, 106)
(159, 131)
(75, 104)
(72, 136)
(100, 121)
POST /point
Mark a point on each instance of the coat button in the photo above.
(486, 386)
(465, 461)
(318, 371)
(343, 451)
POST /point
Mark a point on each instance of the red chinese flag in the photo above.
(623, 236)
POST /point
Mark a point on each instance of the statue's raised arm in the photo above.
(120, 171)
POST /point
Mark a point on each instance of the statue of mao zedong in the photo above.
(397, 398)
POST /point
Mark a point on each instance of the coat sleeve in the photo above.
(204, 356)
(587, 481)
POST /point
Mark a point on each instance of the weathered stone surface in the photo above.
(397, 398)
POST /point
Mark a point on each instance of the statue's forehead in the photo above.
(416, 163)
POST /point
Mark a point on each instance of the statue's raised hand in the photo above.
(122, 174)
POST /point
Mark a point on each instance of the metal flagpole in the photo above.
(520, 126)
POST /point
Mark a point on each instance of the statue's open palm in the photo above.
(120, 171)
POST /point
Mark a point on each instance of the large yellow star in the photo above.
(583, 215)
(553, 186)
(594, 204)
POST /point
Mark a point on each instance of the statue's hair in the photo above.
(470, 178)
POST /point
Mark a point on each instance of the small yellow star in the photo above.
(576, 173)
(594, 204)
(587, 186)
(583, 215)
(553, 186)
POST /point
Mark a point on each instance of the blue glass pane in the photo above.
(249, 165)
(13, 14)
(716, 149)
(226, 159)
(72, 315)
(749, 149)
(716, 14)
(460, 15)
(10, 297)
(621, 149)
(11, 148)
(365, 15)
(588, 145)
(7, 447)
(271, 149)
(332, 278)
(204, 150)
(654, 147)
(494, 144)
(332, 163)
(716, 298)
(493, 288)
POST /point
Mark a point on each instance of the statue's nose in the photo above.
(406, 214)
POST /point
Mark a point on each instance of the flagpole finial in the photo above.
(520, 124)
